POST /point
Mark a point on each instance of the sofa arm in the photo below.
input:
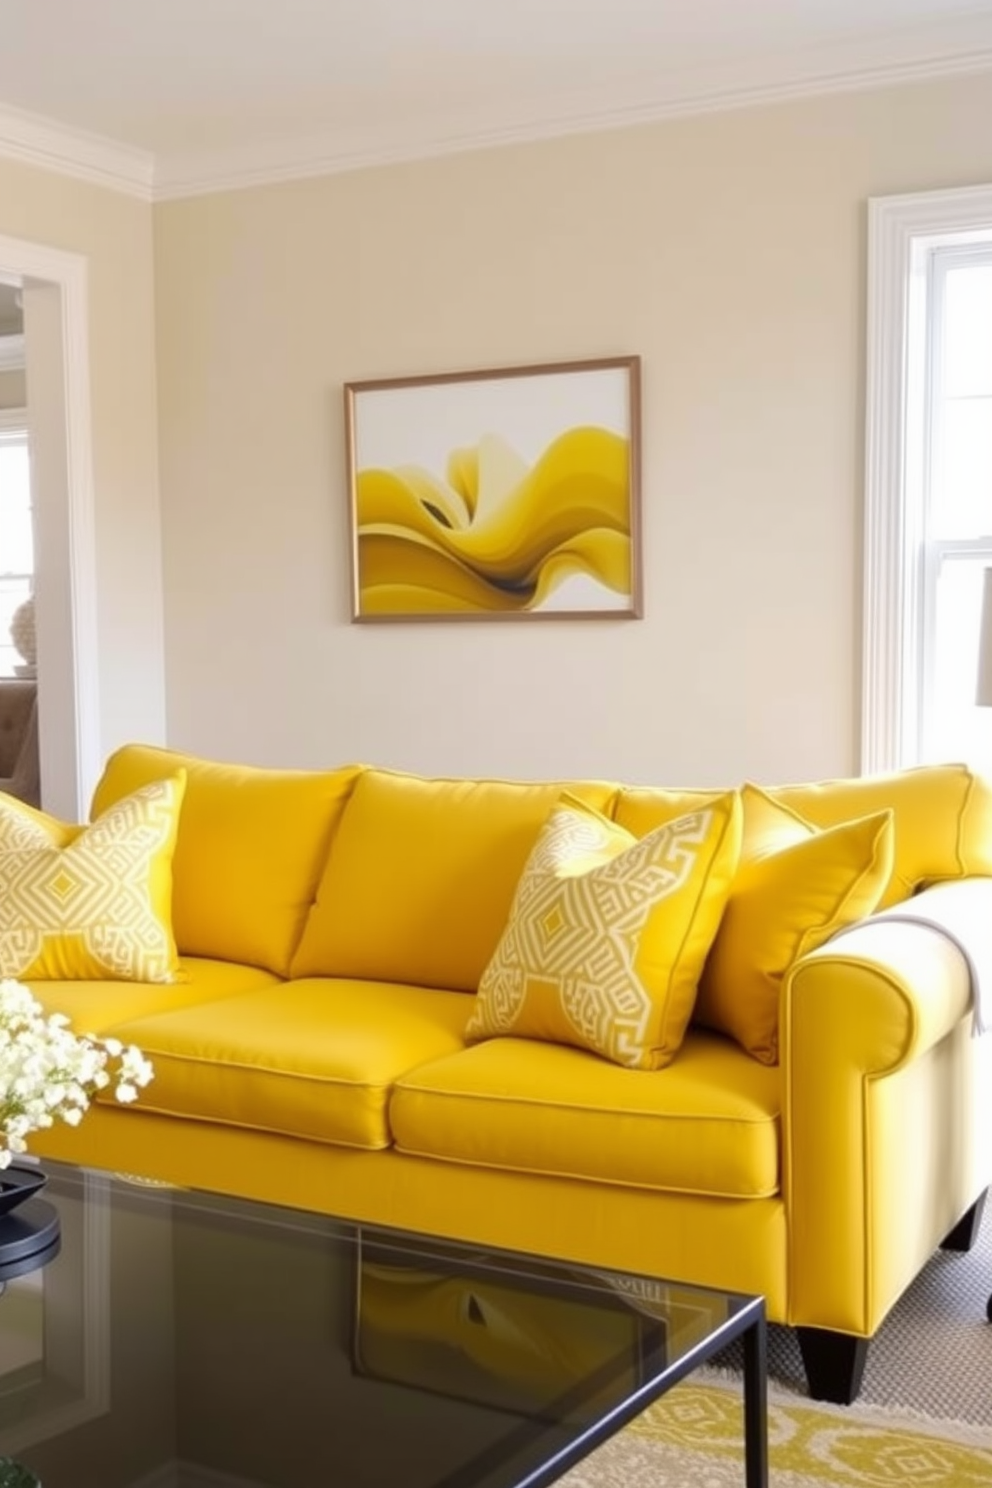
(881, 1113)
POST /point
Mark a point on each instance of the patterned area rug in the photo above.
(693, 1438)
(923, 1419)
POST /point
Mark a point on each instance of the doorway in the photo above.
(53, 291)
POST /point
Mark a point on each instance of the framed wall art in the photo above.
(505, 494)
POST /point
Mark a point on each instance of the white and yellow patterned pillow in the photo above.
(608, 933)
(90, 901)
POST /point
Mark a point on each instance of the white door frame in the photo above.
(68, 691)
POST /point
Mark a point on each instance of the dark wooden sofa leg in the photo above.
(965, 1232)
(834, 1364)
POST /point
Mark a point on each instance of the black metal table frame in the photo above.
(750, 1326)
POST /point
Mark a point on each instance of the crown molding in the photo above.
(908, 55)
(12, 353)
(32, 140)
(825, 71)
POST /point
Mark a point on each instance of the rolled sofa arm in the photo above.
(882, 1105)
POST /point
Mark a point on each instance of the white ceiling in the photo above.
(167, 97)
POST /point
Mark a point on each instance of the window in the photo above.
(16, 531)
(928, 534)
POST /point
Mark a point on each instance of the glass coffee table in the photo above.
(182, 1338)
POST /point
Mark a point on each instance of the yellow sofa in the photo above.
(333, 928)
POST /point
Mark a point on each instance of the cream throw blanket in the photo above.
(961, 910)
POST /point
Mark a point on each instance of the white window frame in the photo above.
(903, 234)
(13, 421)
(14, 430)
(12, 353)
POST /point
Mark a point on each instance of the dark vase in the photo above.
(17, 1183)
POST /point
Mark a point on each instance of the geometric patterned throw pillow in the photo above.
(608, 933)
(90, 901)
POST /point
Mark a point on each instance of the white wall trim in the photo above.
(68, 271)
(33, 140)
(12, 353)
(882, 725)
(82, 530)
(892, 581)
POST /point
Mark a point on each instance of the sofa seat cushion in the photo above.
(97, 1007)
(314, 1058)
(706, 1124)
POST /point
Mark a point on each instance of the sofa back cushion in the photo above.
(942, 820)
(641, 808)
(941, 817)
(421, 876)
(249, 850)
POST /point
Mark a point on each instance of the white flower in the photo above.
(48, 1073)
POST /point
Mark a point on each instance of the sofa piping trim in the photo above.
(197, 1119)
(548, 1172)
(406, 1083)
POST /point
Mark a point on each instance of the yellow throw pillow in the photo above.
(795, 888)
(608, 933)
(767, 827)
(90, 902)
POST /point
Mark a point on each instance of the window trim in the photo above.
(12, 353)
(13, 421)
(901, 231)
(14, 429)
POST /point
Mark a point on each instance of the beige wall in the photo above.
(12, 393)
(729, 251)
(114, 232)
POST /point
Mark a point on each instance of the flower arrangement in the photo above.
(15, 1475)
(48, 1073)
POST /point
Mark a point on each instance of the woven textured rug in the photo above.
(923, 1418)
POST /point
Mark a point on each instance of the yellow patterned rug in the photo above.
(693, 1438)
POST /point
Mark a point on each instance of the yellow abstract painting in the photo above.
(501, 494)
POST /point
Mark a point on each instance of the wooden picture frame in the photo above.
(511, 493)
